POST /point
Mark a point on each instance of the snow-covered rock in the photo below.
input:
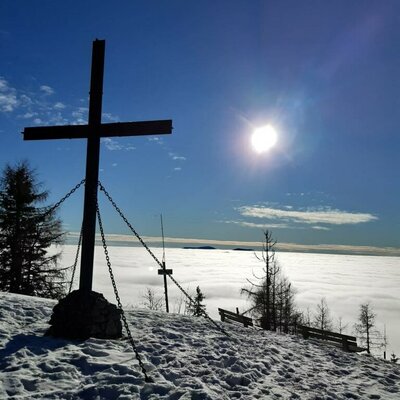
(187, 358)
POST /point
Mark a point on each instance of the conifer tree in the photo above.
(197, 308)
(27, 230)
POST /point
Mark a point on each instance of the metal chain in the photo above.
(128, 331)
(73, 190)
(154, 257)
(51, 209)
(76, 260)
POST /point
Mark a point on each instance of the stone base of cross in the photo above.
(82, 315)
(83, 305)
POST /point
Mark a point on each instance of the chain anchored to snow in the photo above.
(126, 325)
(75, 261)
(191, 301)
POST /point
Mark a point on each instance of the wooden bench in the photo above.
(236, 317)
(349, 343)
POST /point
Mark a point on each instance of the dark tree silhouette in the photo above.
(285, 306)
(197, 308)
(26, 232)
(322, 318)
(341, 326)
(152, 301)
(365, 328)
(272, 297)
(262, 293)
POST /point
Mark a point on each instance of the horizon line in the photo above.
(290, 247)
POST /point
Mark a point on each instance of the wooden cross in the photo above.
(93, 131)
(164, 271)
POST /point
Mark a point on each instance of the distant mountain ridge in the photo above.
(200, 248)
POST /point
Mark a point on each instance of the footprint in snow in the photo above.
(90, 351)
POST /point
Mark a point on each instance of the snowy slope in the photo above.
(186, 357)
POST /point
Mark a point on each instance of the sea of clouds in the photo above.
(346, 281)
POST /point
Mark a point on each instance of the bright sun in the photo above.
(263, 138)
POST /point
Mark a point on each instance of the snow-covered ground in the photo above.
(186, 357)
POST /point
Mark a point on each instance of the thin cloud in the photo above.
(308, 216)
(35, 105)
(57, 119)
(114, 145)
(265, 225)
(80, 115)
(3, 84)
(47, 90)
(268, 225)
(321, 228)
(110, 117)
(176, 157)
(111, 144)
(156, 139)
(25, 100)
(28, 115)
(8, 97)
(59, 105)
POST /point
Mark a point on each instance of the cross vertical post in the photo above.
(92, 166)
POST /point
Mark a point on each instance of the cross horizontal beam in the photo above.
(140, 128)
(165, 271)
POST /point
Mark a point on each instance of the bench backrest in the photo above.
(234, 317)
(321, 332)
(346, 340)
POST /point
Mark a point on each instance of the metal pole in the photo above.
(92, 166)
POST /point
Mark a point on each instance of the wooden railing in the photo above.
(349, 343)
(236, 317)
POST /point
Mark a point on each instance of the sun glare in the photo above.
(263, 138)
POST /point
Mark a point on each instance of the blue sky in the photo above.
(324, 74)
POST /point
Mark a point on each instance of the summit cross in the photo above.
(93, 132)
